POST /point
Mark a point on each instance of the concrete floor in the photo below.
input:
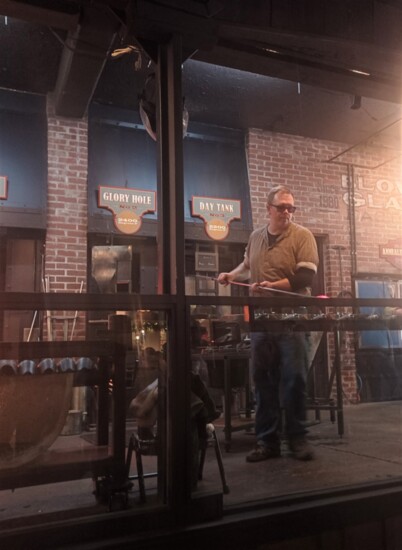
(369, 451)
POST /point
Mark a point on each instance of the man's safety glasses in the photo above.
(282, 207)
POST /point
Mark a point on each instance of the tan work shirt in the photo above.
(294, 248)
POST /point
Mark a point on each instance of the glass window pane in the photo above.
(81, 418)
(340, 432)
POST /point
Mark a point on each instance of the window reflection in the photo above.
(68, 419)
(352, 438)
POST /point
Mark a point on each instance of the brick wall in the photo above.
(320, 189)
(66, 237)
(321, 195)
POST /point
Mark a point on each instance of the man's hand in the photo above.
(255, 287)
(225, 278)
(280, 284)
(239, 273)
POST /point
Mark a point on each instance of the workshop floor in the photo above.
(369, 451)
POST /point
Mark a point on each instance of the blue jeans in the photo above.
(279, 366)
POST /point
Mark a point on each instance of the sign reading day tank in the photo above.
(3, 187)
(217, 214)
(128, 206)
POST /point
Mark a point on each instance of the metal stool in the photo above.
(140, 447)
(149, 447)
(212, 441)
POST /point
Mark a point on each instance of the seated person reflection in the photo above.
(144, 407)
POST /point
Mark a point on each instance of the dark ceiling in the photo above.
(282, 65)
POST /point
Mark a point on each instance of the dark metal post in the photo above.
(352, 217)
(338, 377)
(170, 170)
(171, 267)
(119, 327)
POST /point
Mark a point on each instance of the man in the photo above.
(283, 256)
